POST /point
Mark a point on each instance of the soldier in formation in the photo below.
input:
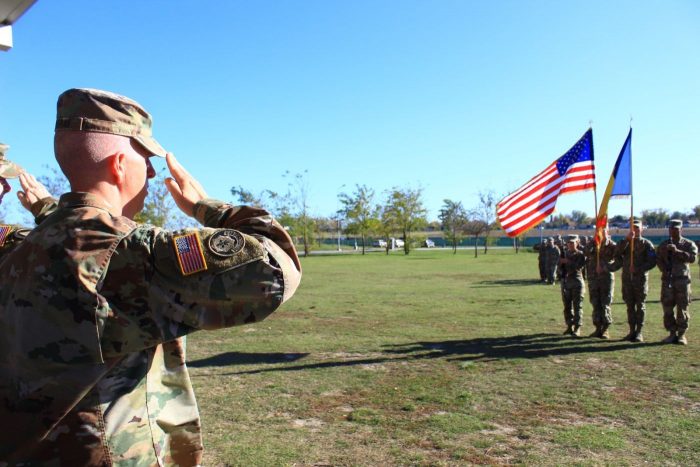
(94, 306)
(541, 256)
(571, 264)
(600, 266)
(674, 257)
(638, 257)
(551, 260)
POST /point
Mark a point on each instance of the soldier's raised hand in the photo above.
(32, 190)
(185, 189)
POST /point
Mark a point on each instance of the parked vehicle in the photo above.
(428, 243)
(381, 243)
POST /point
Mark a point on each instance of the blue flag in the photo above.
(623, 170)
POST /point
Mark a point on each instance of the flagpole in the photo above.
(631, 208)
(595, 208)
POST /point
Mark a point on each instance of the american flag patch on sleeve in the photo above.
(4, 232)
(188, 249)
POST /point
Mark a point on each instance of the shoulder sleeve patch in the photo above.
(188, 249)
(4, 232)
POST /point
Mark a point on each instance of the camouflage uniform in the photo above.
(94, 309)
(572, 289)
(601, 286)
(541, 259)
(675, 283)
(636, 286)
(552, 255)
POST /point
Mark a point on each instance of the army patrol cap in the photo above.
(675, 224)
(8, 169)
(637, 224)
(572, 238)
(105, 112)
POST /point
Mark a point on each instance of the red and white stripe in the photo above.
(534, 201)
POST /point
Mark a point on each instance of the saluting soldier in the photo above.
(600, 266)
(674, 257)
(635, 278)
(34, 194)
(571, 265)
(94, 306)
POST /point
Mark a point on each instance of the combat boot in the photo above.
(569, 330)
(596, 333)
(671, 339)
(604, 334)
(629, 336)
(682, 339)
(638, 337)
(576, 331)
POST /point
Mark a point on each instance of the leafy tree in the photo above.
(618, 220)
(296, 210)
(476, 228)
(55, 182)
(159, 207)
(292, 209)
(580, 218)
(360, 213)
(453, 217)
(404, 209)
(267, 199)
(486, 212)
(655, 217)
(696, 212)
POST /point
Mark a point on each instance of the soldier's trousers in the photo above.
(572, 296)
(676, 295)
(634, 293)
(601, 296)
(543, 274)
(551, 273)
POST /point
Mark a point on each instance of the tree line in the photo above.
(399, 211)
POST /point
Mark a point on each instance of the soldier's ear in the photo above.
(116, 164)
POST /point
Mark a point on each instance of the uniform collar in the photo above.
(76, 199)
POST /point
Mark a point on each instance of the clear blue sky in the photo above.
(453, 96)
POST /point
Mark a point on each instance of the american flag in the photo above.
(4, 231)
(189, 253)
(531, 203)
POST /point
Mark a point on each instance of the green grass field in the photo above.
(441, 359)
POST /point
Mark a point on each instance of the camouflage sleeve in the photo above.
(649, 257)
(690, 255)
(162, 284)
(214, 213)
(43, 208)
(661, 256)
(613, 260)
(11, 235)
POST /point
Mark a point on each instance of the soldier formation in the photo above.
(579, 261)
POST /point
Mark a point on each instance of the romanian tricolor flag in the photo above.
(620, 185)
